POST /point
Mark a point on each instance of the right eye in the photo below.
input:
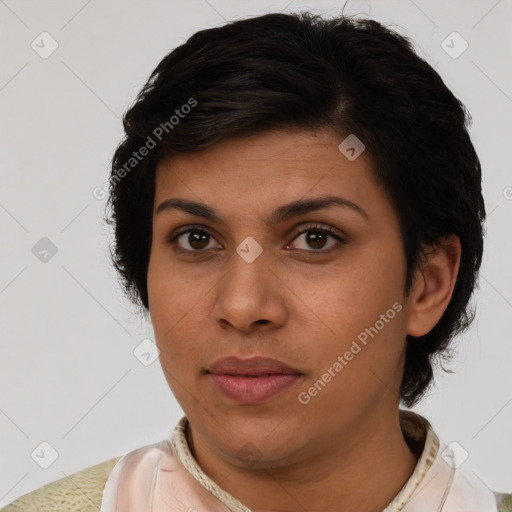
(197, 238)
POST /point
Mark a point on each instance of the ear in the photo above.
(433, 285)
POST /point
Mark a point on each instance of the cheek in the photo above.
(354, 296)
(168, 295)
(360, 363)
(172, 306)
(176, 336)
(359, 315)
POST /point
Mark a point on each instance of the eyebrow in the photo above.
(280, 214)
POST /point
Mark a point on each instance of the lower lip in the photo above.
(253, 390)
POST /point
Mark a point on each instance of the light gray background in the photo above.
(68, 375)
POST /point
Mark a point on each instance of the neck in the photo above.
(364, 473)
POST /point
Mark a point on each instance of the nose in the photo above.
(250, 296)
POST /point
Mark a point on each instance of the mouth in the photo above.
(252, 376)
(254, 389)
(254, 380)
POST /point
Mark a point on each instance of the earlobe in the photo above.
(433, 285)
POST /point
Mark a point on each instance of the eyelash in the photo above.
(312, 228)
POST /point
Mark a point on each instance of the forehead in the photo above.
(273, 156)
(269, 169)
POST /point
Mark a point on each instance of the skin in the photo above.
(297, 302)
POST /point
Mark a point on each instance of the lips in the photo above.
(254, 380)
(250, 367)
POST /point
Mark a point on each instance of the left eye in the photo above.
(316, 238)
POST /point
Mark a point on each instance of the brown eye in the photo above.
(197, 240)
(316, 238)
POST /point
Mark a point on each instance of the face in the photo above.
(318, 288)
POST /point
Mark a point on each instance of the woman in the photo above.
(297, 203)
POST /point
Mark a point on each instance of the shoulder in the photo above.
(464, 491)
(79, 492)
(440, 478)
(504, 502)
(469, 493)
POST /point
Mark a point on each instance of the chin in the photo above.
(259, 448)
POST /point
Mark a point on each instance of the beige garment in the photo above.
(169, 468)
(79, 492)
